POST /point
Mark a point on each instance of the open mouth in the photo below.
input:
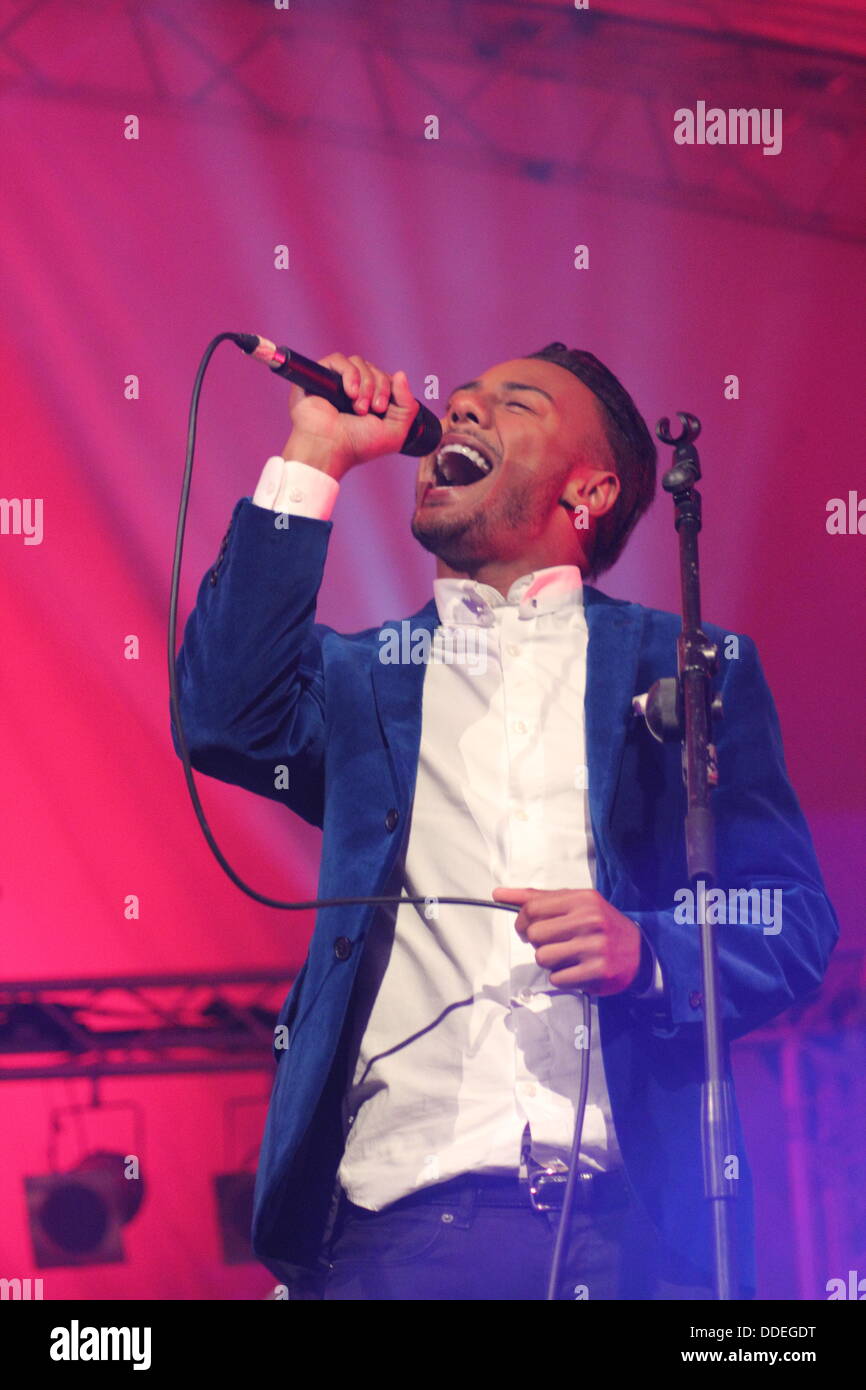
(460, 465)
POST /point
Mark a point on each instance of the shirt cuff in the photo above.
(649, 983)
(287, 485)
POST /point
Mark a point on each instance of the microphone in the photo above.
(425, 431)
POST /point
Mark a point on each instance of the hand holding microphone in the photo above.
(382, 406)
(345, 410)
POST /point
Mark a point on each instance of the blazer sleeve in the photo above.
(250, 670)
(763, 842)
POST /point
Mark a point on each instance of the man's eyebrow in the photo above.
(508, 386)
(519, 386)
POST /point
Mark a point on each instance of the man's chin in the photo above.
(451, 539)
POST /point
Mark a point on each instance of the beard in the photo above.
(489, 533)
(461, 542)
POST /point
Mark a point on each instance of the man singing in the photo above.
(429, 1057)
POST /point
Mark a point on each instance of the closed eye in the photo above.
(521, 406)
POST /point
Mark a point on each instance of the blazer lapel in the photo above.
(615, 632)
(397, 691)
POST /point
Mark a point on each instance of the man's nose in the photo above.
(468, 405)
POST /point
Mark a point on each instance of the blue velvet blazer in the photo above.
(263, 684)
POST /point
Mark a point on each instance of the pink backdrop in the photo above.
(259, 129)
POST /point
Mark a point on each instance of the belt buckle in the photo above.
(552, 1175)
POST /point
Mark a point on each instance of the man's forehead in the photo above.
(557, 383)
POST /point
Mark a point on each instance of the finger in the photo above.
(401, 391)
(559, 955)
(339, 362)
(517, 896)
(553, 902)
(588, 977)
(366, 384)
(584, 906)
(564, 928)
(381, 390)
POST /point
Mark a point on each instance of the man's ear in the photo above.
(594, 489)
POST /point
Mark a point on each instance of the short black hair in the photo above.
(630, 442)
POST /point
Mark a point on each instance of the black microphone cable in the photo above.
(560, 1243)
(382, 901)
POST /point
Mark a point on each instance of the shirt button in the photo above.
(520, 814)
(528, 1088)
(519, 727)
(296, 495)
(525, 995)
(475, 604)
(342, 948)
(513, 649)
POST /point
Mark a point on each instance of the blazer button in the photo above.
(342, 948)
(392, 818)
(696, 999)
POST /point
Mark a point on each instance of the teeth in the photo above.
(468, 452)
(474, 457)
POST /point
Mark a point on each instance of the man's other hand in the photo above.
(582, 940)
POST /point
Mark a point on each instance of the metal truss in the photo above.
(224, 1020)
(817, 1054)
(140, 1025)
(159, 1025)
(538, 91)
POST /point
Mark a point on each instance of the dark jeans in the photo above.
(455, 1247)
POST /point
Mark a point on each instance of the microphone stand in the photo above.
(683, 707)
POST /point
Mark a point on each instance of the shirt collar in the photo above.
(466, 601)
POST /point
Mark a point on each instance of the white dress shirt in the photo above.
(461, 1039)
